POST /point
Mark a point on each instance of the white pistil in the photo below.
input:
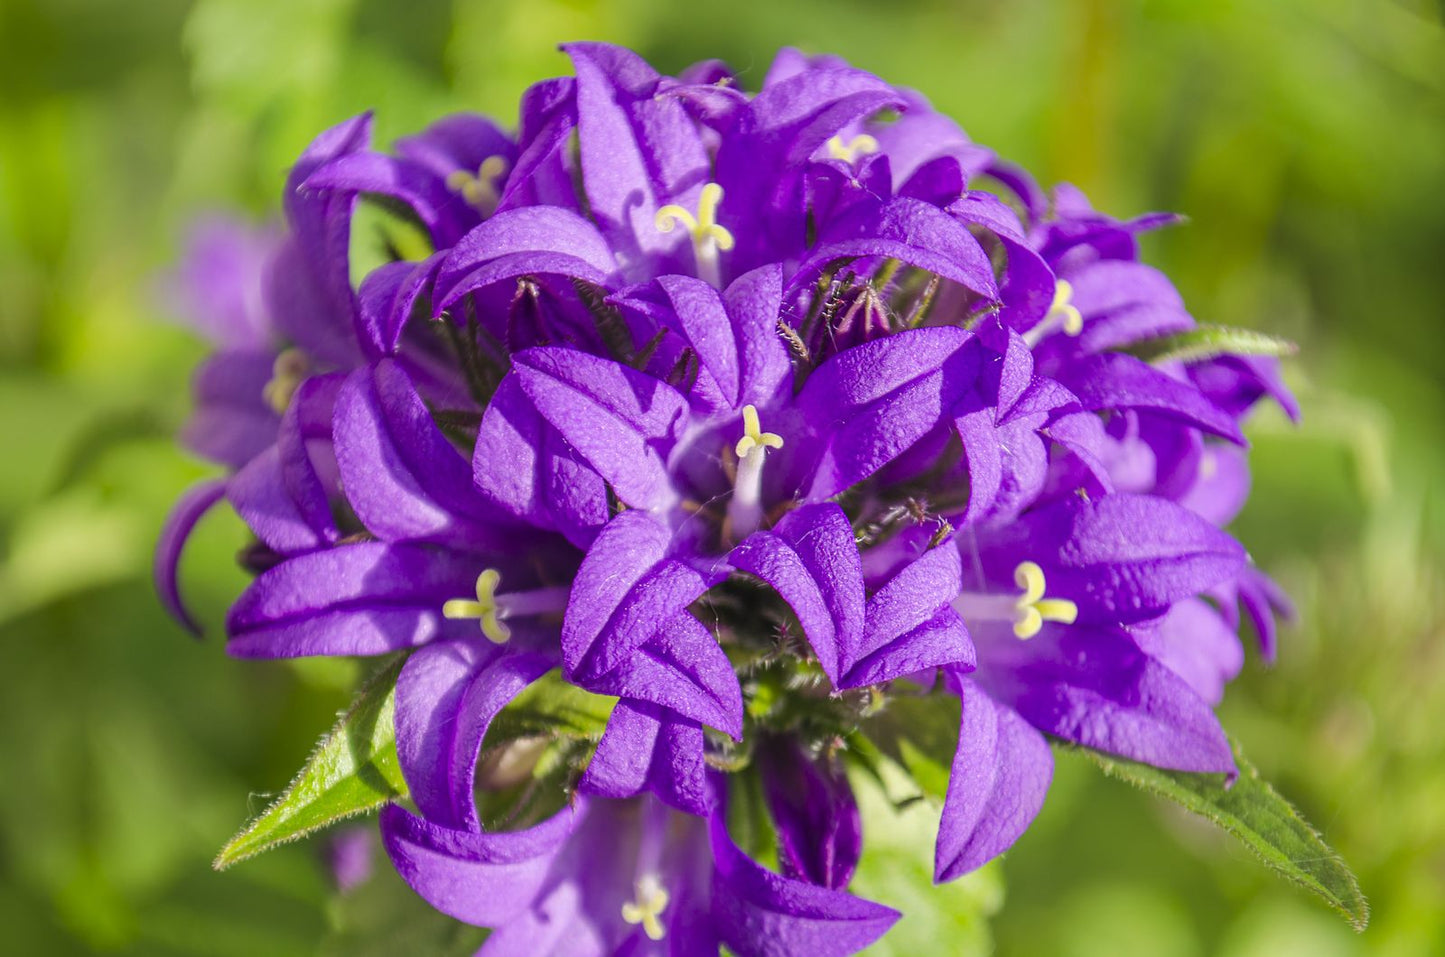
(480, 189)
(860, 145)
(491, 610)
(1062, 314)
(1027, 611)
(707, 236)
(287, 373)
(648, 906)
(745, 511)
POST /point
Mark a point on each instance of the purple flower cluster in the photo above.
(752, 413)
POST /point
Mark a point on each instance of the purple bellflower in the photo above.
(741, 415)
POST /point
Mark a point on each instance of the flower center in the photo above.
(287, 373)
(1027, 611)
(860, 145)
(745, 510)
(707, 236)
(1062, 313)
(480, 189)
(647, 907)
(491, 610)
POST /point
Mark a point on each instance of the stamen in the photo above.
(484, 609)
(480, 189)
(707, 236)
(648, 906)
(860, 145)
(1032, 609)
(492, 610)
(745, 510)
(1062, 314)
(287, 373)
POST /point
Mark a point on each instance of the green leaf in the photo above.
(897, 870)
(552, 706)
(353, 770)
(1255, 813)
(920, 734)
(1207, 342)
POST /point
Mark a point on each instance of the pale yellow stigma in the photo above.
(703, 226)
(753, 435)
(860, 145)
(480, 189)
(1032, 609)
(287, 373)
(707, 236)
(484, 609)
(1063, 311)
(646, 910)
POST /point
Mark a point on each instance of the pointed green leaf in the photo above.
(1255, 813)
(1207, 342)
(353, 770)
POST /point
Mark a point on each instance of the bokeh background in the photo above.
(1304, 139)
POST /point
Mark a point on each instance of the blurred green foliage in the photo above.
(1305, 139)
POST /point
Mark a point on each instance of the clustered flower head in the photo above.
(746, 416)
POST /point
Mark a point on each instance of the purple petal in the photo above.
(232, 423)
(1117, 381)
(542, 175)
(1195, 643)
(916, 233)
(447, 695)
(638, 151)
(474, 876)
(911, 625)
(443, 212)
(820, 832)
(216, 287)
(811, 559)
(188, 510)
(1122, 558)
(1000, 776)
(405, 481)
(866, 406)
(694, 311)
(539, 239)
(279, 494)
(646, 749)
(754, 302)
(528, 469)
(628, 588)
(1124, 302)
(621, 422)
(759, 912)
(365, 599)
(322, 325)
(770, 140)
(683, 669)
(388, 297)
(1096, 687)
(321, 221)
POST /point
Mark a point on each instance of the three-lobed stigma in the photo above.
(860, 145)
(485, 608)
(753, 435)
(745, 509)
(707, 236)
(480, 189)
(287, 373)
(647, 908)
(1032, 609)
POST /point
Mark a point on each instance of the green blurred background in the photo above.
(1305, 139)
